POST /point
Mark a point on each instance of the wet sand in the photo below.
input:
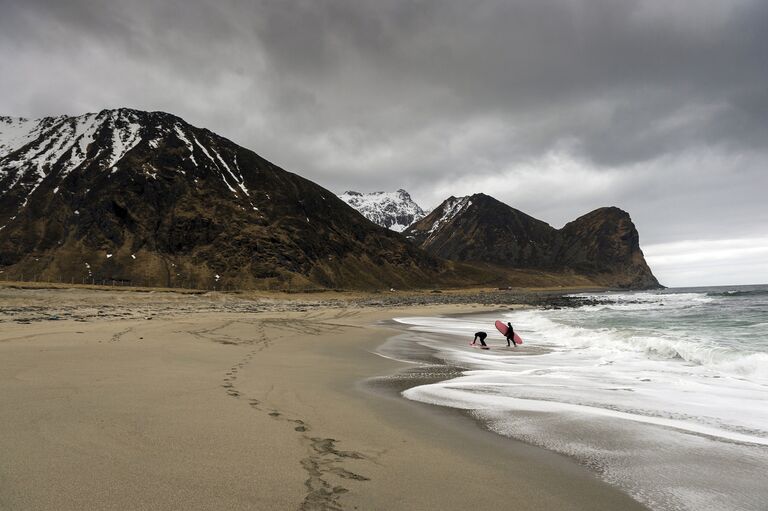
(168, 401)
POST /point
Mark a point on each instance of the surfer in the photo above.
(510, 334)
(481, 336)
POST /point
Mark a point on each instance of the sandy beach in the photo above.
(126, 400)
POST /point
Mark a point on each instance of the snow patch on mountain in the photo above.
(84, 135)
(47, 141)
(47, 150)
(16, 132)
(39, 145)
(452, 207)
(125, 134)
(393, 210)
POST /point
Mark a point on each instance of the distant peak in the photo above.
(393, 210)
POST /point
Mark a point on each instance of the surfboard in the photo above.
(494, 346)
(502, 327)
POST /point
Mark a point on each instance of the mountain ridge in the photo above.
(602, 244)
(145, 197)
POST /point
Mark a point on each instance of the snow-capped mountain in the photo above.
(50, 148)
(393, 210)
(146, 198)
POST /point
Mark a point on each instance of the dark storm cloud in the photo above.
(640, 66)
(555, 106)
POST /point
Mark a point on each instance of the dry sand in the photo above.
(222, 404)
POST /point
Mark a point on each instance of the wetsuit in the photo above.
(481, 336)
(510, 335)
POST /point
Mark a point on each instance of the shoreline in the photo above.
(663, 461)
(35, 302)
(245, 409)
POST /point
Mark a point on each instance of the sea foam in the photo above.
(607, 381)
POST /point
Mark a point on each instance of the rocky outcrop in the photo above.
(605, 244)
(602, 245)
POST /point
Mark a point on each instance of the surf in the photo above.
(682, 370)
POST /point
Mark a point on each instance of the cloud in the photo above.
(557, 107)
(710, 263)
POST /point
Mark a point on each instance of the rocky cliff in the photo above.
(602, 245)
(605, 244)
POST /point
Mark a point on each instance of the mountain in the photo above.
(602, 245)
(393, 210)
(480, 228)
(145, 198)
(605, 243)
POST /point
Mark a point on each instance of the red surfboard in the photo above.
(502, 327)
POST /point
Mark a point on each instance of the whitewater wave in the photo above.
(636, 386)
(694, 350)
(735, 293)
(644, 300)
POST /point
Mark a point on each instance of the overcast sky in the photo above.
(555, 107)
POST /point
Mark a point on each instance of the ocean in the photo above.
(662, 393)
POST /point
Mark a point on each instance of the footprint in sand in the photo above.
(320, 493)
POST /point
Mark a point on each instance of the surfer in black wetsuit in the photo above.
(510, 334)
(481, 336)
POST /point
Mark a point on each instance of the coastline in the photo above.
(658, 425)
(247, 408)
